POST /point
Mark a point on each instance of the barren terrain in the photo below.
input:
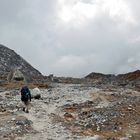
(72, 112)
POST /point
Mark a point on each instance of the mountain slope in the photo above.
(10, 60)
(131, 75)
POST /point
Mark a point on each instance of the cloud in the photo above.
(73, 38)
(79, 12)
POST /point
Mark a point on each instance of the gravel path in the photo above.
(41, 111)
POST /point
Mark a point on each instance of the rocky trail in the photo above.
(44, 111)
(72, 112)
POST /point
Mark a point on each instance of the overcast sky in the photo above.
(73, 37)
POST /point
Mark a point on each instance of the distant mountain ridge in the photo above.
(135, 75)
(10, 60)
(95, 75)
(127, 76)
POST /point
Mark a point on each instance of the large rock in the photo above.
(16, 75)
(36, 93)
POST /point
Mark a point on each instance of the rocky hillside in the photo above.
(100, 76)
(127, 76)
(10, 60)
(130, 76)
(127, 79)
(95, 75)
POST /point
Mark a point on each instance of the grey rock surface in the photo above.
(10, 60)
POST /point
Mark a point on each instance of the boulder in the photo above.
(36, 93)
(16, 75)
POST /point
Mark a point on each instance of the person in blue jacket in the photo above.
(25, 98)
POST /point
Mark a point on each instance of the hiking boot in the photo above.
(27, 111)
(24, 109)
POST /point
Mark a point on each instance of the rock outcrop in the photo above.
(16, 75)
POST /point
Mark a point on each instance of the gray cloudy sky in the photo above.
(73, 37)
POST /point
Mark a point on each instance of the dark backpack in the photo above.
(25, 94)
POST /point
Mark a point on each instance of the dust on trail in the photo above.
(41, 112)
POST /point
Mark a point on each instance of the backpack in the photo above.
(25, 94)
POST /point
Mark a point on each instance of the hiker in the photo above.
(25, 98)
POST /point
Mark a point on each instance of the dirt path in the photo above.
(42, 111)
